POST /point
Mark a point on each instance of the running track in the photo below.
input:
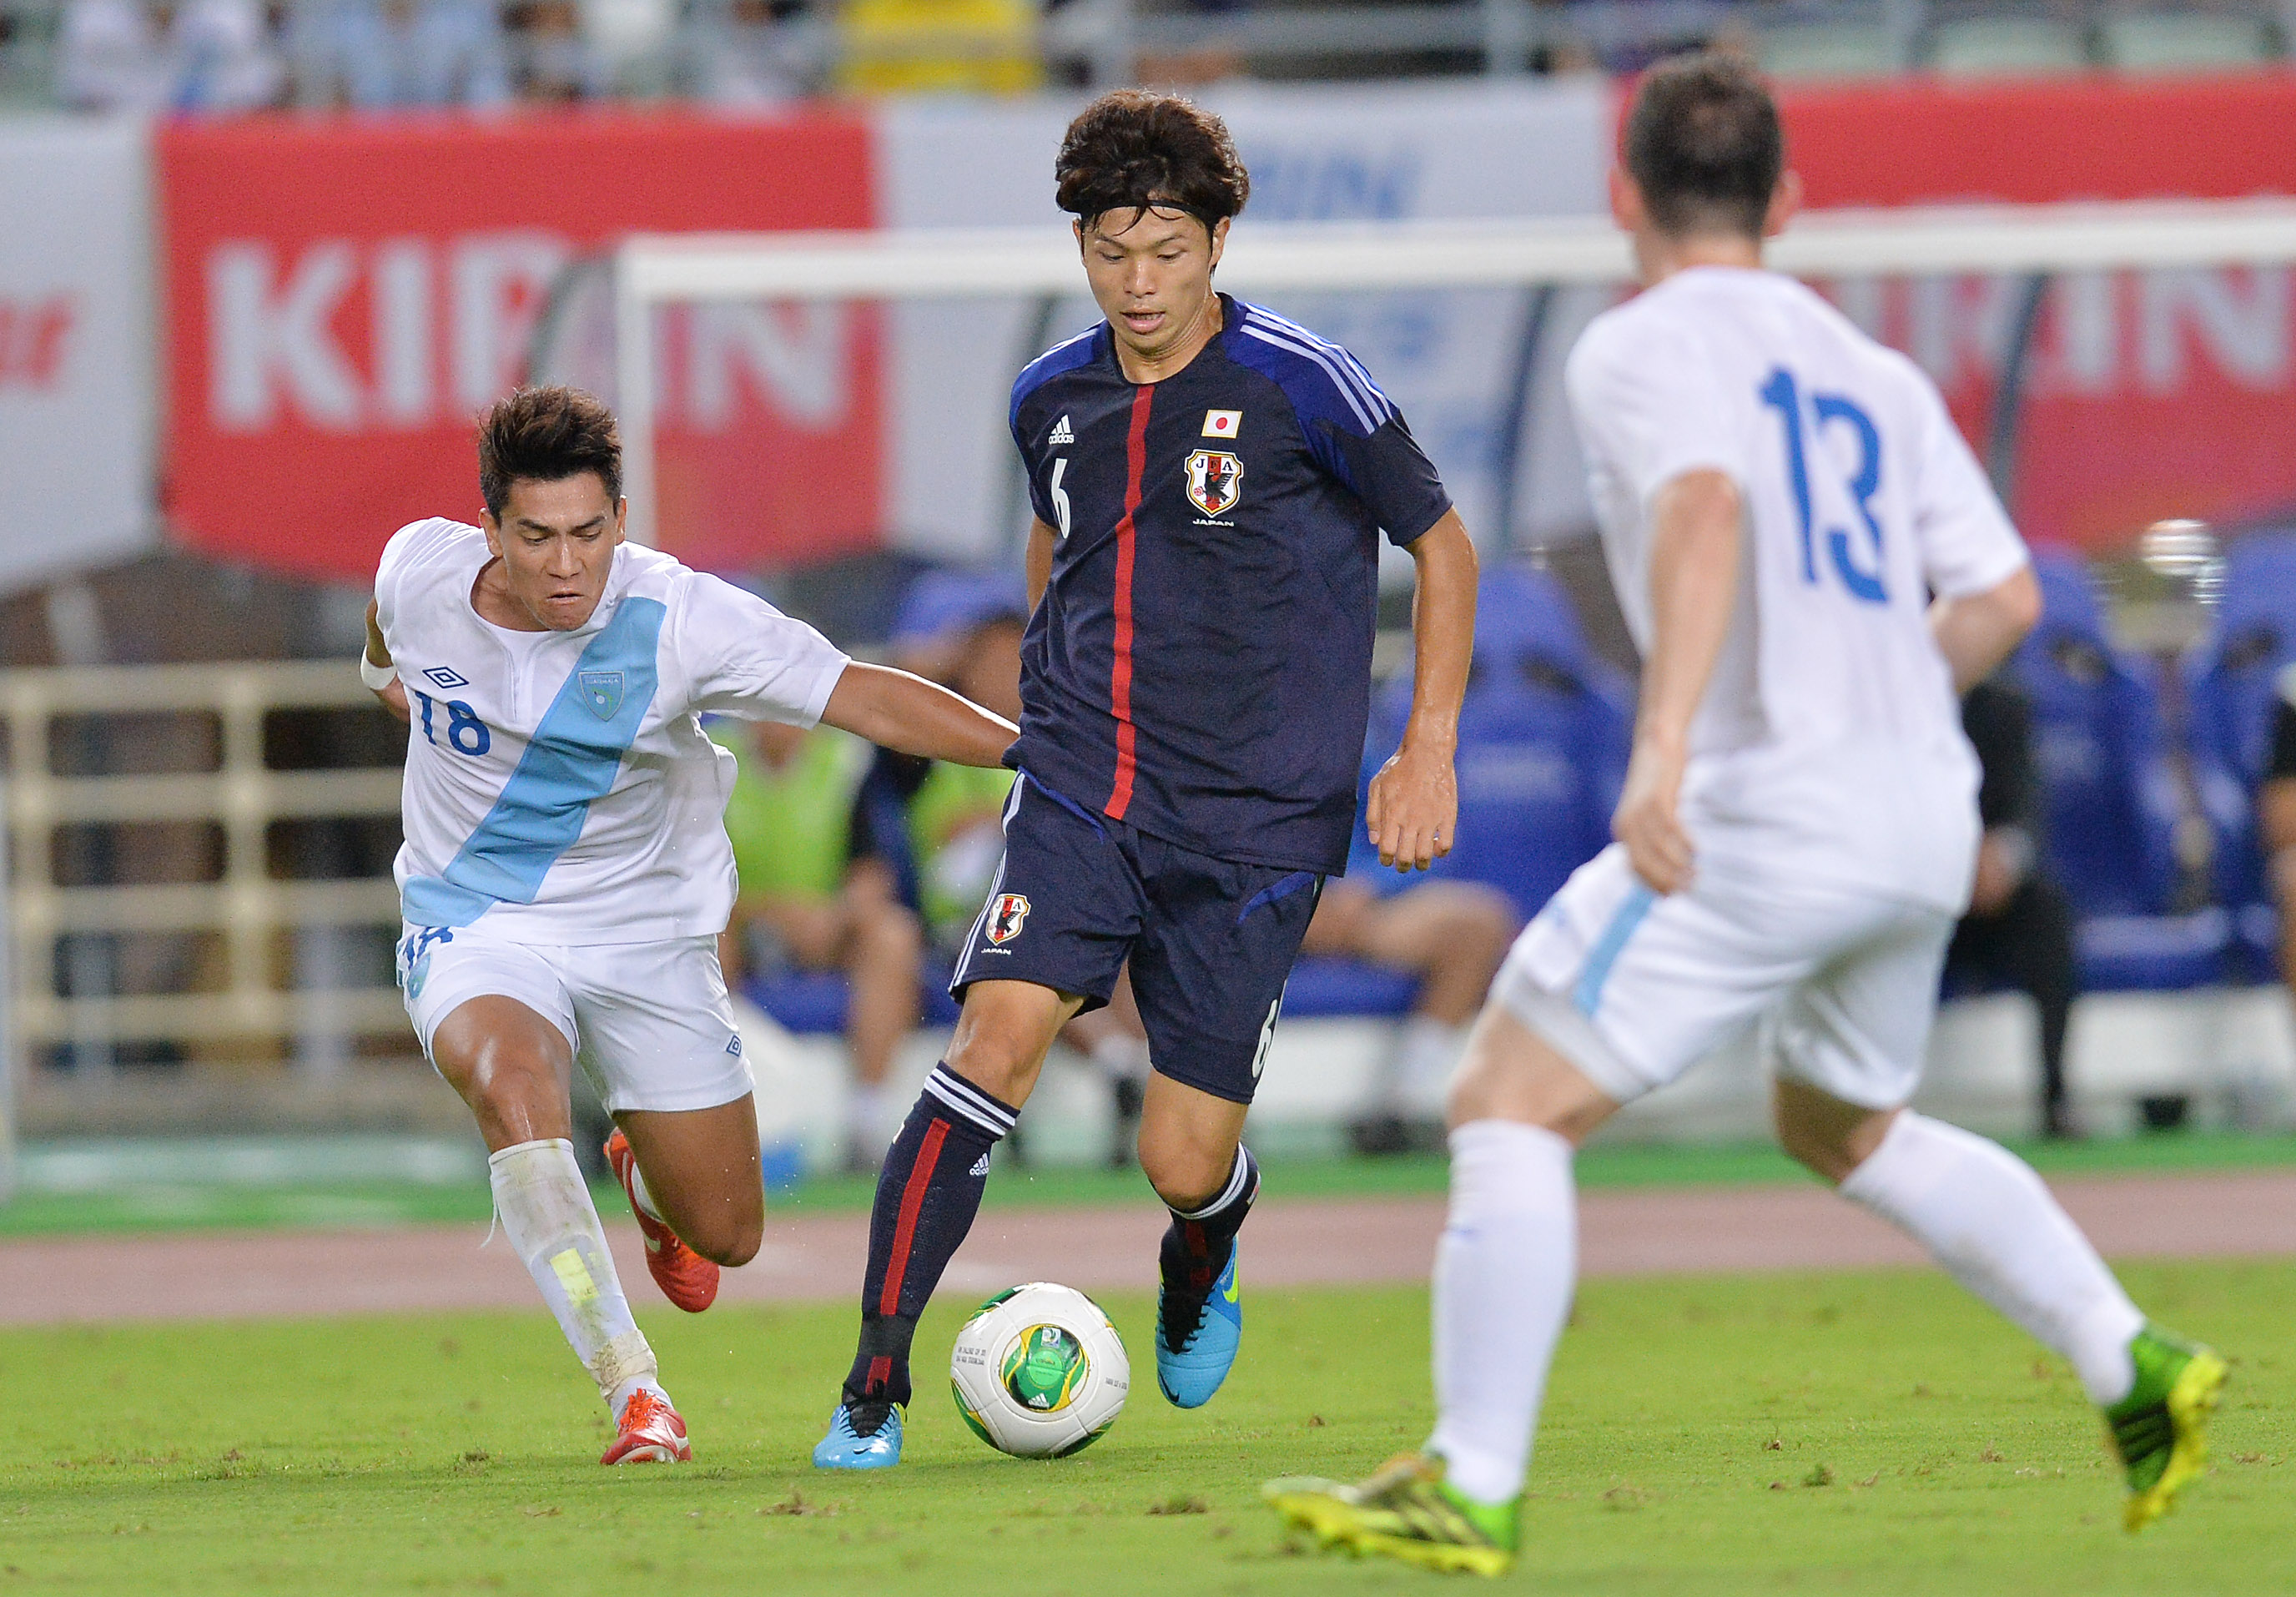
(817, 1257)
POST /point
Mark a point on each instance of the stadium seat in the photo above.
(1345, 987)
(2178, 41)
(2231, 695)
(2108, 796)
(2006, 47)
(1543, 743)
(1825, 50)
(813, 1003)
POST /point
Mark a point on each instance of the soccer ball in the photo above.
(1038, 1372)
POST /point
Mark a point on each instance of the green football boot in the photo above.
(1406, 1512)
(2157, 1430)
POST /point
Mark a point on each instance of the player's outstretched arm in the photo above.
(393, 694)
(1977, 632)
(1413, 808)
(1693, 580)
(910, 716)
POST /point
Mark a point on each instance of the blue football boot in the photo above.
(862, 1436)
(1191, 1371)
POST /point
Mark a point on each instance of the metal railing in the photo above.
(255, 913)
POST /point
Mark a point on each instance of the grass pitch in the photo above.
(130, 1206)
(1872, 1432)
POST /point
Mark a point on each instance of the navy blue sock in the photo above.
(1197, 1247)
(927, 1195)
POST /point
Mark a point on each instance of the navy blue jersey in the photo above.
(1201, 665)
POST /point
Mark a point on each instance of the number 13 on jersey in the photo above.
(1817, 413)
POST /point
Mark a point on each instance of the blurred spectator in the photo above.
(201, 56)
(109, 58)
(1198, 67)
(937, 828)
(940, 828)
(939, 47)
(1451, 935)
(755, 52)
(802, 908)
(556, 63)
(2019, 931)
(374, 54)
(2275, 820)
(223, 59)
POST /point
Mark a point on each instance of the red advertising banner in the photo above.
(2145, 396)
(343, 296)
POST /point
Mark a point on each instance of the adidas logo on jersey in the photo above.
(1063, 433)
(980, 1166)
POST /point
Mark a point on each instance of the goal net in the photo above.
(786, 399)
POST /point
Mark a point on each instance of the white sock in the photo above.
(1985, 1216)
(865, 1118)
(547, 1215)
(1504, 1275)
(1426, 1053)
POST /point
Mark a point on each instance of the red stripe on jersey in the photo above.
(904, 1229)
(1119, 686)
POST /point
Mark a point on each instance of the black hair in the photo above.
(1131, 150)
(546, 435)
(1704, 144)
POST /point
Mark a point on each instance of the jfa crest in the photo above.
(1006, 916)
(601, 691)
(1214, 481)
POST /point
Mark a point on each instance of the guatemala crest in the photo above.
(1214, 481)
(601, 691)
(1006, 915)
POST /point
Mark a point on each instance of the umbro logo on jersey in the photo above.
(1214, 481)
(446, 677)
(1063, 433)
(1222, 423)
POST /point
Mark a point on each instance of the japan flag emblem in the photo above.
(1007, 913)
(1222, 423)
(1214, 481)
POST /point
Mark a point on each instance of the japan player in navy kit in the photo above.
(1210, 483)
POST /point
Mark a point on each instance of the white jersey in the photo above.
(1828, 747)
(559, 783)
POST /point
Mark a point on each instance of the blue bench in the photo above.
(813, 1003)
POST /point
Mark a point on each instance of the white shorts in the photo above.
(1635, 989)
(648, 1023)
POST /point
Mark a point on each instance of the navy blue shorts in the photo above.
(1211, 941)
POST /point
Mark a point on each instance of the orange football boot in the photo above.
(686, 1278)
(651, 1433)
